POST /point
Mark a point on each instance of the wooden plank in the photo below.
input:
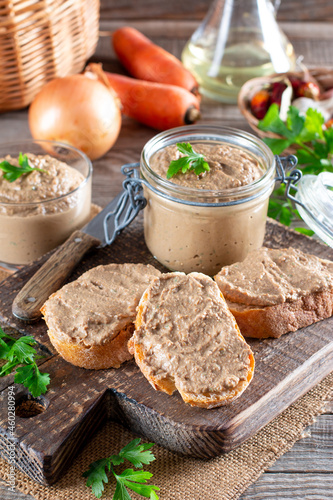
(281, 466)
(6, 494)
(313, 453)
(291, 486)
(165, 29)
(285, 369)
(292, 10)
(311, 39)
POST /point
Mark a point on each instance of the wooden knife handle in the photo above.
(51, 275)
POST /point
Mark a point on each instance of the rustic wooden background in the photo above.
(306, 472)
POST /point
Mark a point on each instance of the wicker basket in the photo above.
(41, 40)
(323, 76)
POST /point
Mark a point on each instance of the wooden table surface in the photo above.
(306, 472)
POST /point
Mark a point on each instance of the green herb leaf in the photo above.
(97, 476)
(304, 230)
(192, 161)
(313, 124)
(328, 137)
(295, 122)
(22, 350)
(4, 349)
(273, 123)
(136, 453)
(8, 368)
(18, 352)
(277, 145)
(32, 379)
(315, 153)
(136, 481)
(11, 172)
(121, 493)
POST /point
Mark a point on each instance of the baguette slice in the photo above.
(276, 291)
(91, 319)
(186, 339)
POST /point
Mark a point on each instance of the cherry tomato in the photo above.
(308, 89)
(329, 123)
(276, 93)
(259, 103)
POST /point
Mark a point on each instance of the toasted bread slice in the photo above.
(186, 339)
(91, 319)
(273, 292)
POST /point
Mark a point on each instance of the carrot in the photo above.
(157, 105)
(147, 61)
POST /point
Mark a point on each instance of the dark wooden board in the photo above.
(79, 400)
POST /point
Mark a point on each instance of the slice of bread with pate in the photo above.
(275, 291)
(186, 339)
(91, 319)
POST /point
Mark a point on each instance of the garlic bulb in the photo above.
(325, 107)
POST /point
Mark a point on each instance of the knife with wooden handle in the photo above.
(100, 231)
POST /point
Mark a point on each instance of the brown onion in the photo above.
(78, 110)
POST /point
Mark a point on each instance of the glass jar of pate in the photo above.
(187, 228)
(40, 210)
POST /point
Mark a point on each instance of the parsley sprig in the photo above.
(136, 453)
(11, 172)
(192, 161)
(314, 151)
(21, 352)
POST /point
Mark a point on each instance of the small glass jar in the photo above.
(189, 229)
(29, 230)
(314, 198)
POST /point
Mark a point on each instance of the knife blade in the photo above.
(99, 232)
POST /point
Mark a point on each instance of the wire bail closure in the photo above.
(283, 165)
(316, 220)
(130, 203)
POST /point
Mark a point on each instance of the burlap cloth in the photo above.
(181, 478)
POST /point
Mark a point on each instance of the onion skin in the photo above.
(79, 111)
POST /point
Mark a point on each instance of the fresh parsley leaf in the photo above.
(277, 145)
(21, 352)
(121, 493)
(328, 137)
(136, 453)
(304, 230)
(295, 122)
(313, 124)
(97, 476)
(314, 153)
(136, 481)
(32, 379)
(8, 368)
(11, 172)
(192, 161)
(273, 123)
(4, 349)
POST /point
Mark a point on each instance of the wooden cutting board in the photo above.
(79, 401)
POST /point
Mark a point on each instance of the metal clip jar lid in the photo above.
(313, 196)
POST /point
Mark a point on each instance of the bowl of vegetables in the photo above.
(267, 101)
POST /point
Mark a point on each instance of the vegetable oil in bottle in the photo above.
(238, 40)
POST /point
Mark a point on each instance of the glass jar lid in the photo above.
(314, 198)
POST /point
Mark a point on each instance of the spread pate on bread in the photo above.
(91, 319)
(275, 291)
(187, 339)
